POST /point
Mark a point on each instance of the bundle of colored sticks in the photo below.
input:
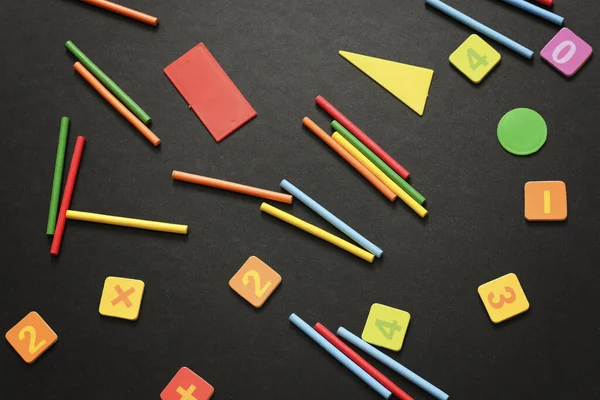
(368, 158)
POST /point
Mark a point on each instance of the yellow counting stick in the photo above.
(419, 209)
(129, 222)
(318, 232)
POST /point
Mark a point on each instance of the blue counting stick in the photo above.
(332, 219)
(338, 355)
(537, 11)
(391, 363)
(479, 27)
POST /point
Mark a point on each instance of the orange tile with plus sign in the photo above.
(31, 337)
(186, 385)
(545, 201)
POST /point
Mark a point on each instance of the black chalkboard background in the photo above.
(282, 54)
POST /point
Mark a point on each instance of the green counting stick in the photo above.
(58, 173)
(378, 162)
(109, 83)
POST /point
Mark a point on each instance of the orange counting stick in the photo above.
(124, 111)
(232, 187)
(348, 157)
(128, 12)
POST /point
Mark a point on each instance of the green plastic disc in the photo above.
(522, 131)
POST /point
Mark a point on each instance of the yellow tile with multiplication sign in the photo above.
(122, 298)
(503, 298)
(475, 58)
(386, 327)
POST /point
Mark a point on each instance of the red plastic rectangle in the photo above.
(210, 93)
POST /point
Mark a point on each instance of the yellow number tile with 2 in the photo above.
(255, 281)
(386, 327)
(31, 337)
(121, 298)
(475, 58)
(503, 298)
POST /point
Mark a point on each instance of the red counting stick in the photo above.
(360, 135)
(361, 362)
(67, 195)
(547, 3)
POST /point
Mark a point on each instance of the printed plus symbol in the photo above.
(123, 296)
(186, 394)
(197, 388)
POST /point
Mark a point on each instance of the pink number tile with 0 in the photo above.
(566, 52)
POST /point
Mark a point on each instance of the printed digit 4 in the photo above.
(503, 300)
(475, 60)
(33, 348)
(257, 289)
(387, 328)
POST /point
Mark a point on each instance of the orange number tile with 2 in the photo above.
(31, 337)
(255, 281)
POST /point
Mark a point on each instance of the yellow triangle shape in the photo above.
(408, 83)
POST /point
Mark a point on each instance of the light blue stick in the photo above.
(338, 355)
(479, 27)
(332, 219)
(390, 362)
(537, 11)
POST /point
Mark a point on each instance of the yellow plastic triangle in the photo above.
(408, 83)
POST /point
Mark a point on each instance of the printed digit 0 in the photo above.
(567, 57)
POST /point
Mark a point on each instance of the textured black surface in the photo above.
(282, 54)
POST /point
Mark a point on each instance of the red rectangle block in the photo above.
(210, 93)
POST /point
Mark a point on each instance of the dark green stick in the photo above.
(378, 162)
(58, 173)
(106, 81)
